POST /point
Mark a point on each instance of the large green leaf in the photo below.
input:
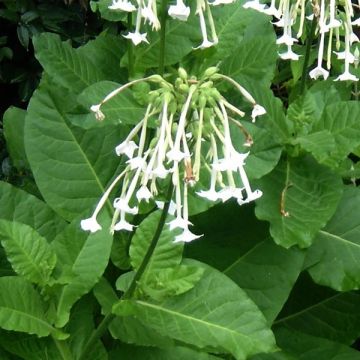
(21, 308)
(322, 312)
(129, 352)
(166, 254)
(306, 347)
(215, 314)
(334, 256)
(341, 120)
(306, 191)
(255, 60)
(128, 329)
(83, 259)
(122, 109)
(19, 206)
(80, 328)
(68, 67)
(27, 251)
(71, 166)
(13, 123)
(236, 243)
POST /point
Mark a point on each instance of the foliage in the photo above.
(278, 279)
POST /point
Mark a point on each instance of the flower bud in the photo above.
(182, 73)
(209, 72)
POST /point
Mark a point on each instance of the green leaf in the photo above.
(13, 122)
(255, 61)
(28, 252)
(333, 258)
(171, 281)
(81, 327)
(215, 314)
(180, 38)
(340, 119)
(29, 347)
(166, 254)
(239, 245)
(129, 352)
(128, 329)
(71, 166)
(19, 206)
(323, 312)
(305, 191)
(121, 109)
(21, 308)
(85, 257)
(68, 68)
(306, 347)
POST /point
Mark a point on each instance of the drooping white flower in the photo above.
(90, 224)
(186, 236)
(123, 205)
(289, 54)
(179, 11)
(254, 4)
(127, 148)
(123, 225)
(136, 37)
(99, 115)
(149, 13)
(122, 5)
(319, 70)
(258, 110)
(143, 194)
(221, 2)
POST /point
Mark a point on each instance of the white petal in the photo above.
(98, 113)
(186, 236)
(136, 37)
(319, 72)
(179, 11)
(258, 110)
(179, 222)
(205, 44)
(122, 5)
(254, 4)
(160, 171)
(251, 197)
(123, 225)
(90, 224)
(175, 155)
(122, 205)
(143, 193)
(137, 162)
(172, 207)
(127, 148)
(346, 76)
(211, 195)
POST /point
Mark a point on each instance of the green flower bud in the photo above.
(184, 87)
(182, 73)
(211, 71)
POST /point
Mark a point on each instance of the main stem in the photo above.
(130, 48)
(163, 15)
(307, 54)
(98, 333)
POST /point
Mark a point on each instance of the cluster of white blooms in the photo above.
(192, 142)
(334, 19)
(147, 12)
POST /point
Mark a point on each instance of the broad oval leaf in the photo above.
(21, 308)
(166, 254)
(28, 252)
(215, 314)
(333, 258)
(83, 258)
(71, 166)
(299, 197)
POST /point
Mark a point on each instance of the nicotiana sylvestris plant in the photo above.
(163, 221)
(193, 136)
(333, 19)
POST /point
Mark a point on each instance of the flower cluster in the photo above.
(192, 142)
(147, 12)
(334, 19)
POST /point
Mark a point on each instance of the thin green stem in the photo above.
(98, 333)
(163, 16)
(307, 54)
(63, 349)
(130, 48)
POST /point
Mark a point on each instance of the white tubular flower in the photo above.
(99, 115)
(127, 148)
(254, 4)
(122, 5)
(172, 206)
(272, 10)
(123, 224)
(206, 42)
(90, 224)
(137, 37)
(258, 110)
(319, 70)
(333, 22)
(143, 194)
(149, 13)
(289, 54)
(179, 11)
(123, 205)
(346, 75)
(221, 2)
(186, 236)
